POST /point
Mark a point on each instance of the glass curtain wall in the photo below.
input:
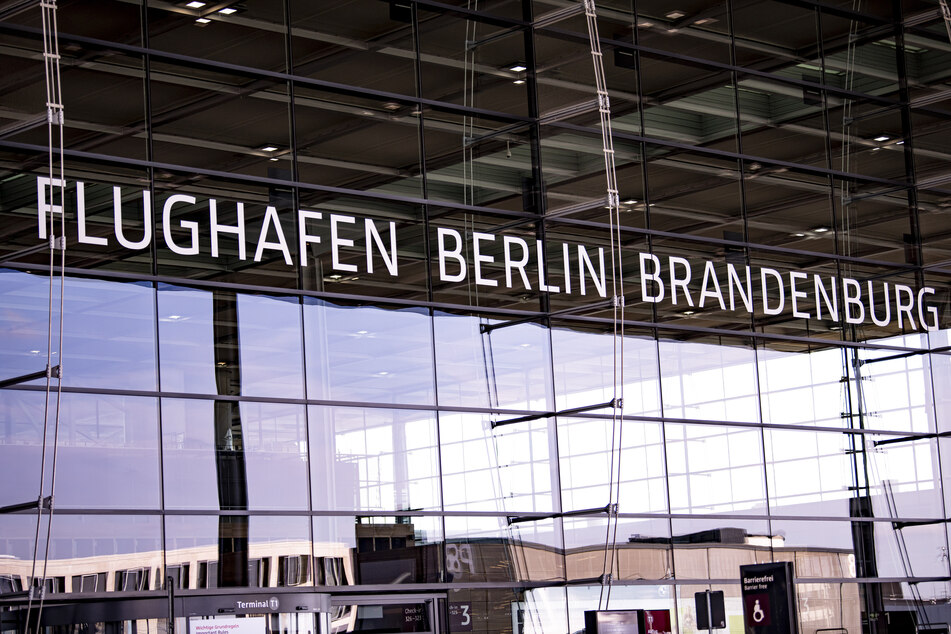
(346, 306)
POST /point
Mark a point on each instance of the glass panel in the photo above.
(715, 469)
(229, 343)
(586, 463)
(373, 459)
(643, 548)
(107, 455)
(240, 551)
(508, 469)
(330, 40)
(494, 549)
(708, 380)
(203, 32)
(584, 363)
(108, 330)
(368, 354)
(841, 475)
(234, 456)
(483, 362)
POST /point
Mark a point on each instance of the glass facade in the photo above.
(348, 309)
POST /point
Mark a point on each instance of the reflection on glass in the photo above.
(227, 343)
(828, 473)
(502, 550)
(643, 548)
(222, 454)
(506, 470)
(486, 363)
(707, 381)
(373, 459)
(368, 354)
(107, 457)
(585, 364)
(108, 330)
(714, 469)
(585, 465)
(277, 551)
(88, 553)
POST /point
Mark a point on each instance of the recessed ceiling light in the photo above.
(196, 4)
(799, 235)
(227, 11)
(876, 149)
(335, 276)
(517, 68)
(391, 105)
(267, 148)
(882, 137)
(630, 201)
(675, 15)
(273, 158)
(820, 229)
(703, 21)
(900, 143)
(645, 24)
(688, 312)
(202, 21)
(519, 81)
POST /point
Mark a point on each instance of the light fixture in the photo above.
(688, 312)
(517, 68)
(335, 276)
(267, 148)
(519, 81)
(703, 21)
(221, 364)
(882, 137)
(391, 106)
(196, 4)
(273, 158)
(820, 230)
(675, 15)
(876, 149)
(227, 11)
(202, 21)
(799, 235)
(630, 201)
(900, 143)
(645, 24)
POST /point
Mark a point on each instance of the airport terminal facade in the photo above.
(354, 332)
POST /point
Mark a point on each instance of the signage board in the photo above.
(229, 625)
(614, 622)
(715, 611)
(657, 622)
(769, 598)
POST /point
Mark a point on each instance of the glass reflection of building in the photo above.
(234, 419)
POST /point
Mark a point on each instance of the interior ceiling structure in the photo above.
(219, 118)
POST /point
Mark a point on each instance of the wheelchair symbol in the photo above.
(758, 614)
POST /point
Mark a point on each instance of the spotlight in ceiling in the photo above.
(675, 15)
(704, 21)
(519, 81)
(227, 11)
(391, 106)
(630, 201)
(820, 230)
(195, 4)
(202, 21)
(882, 137)
(517, 68)
(267, 148)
